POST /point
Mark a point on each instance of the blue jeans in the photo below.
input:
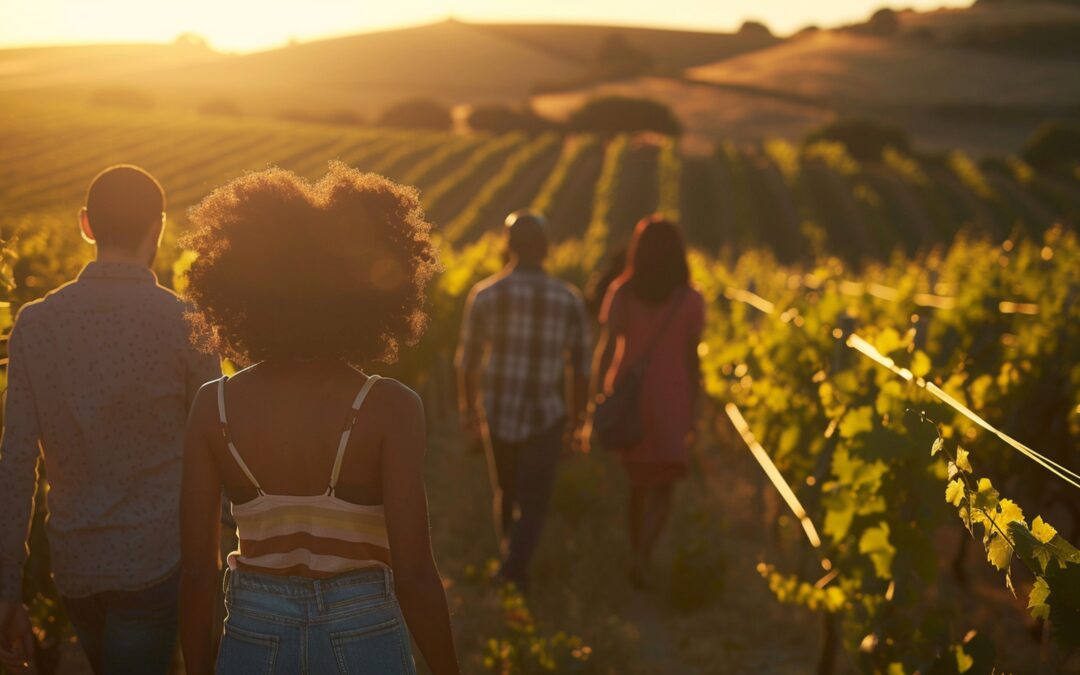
(526, 472)
(128, 631)
(346, 624)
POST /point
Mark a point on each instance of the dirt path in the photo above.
(580, 583)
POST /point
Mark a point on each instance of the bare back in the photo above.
(286, 422)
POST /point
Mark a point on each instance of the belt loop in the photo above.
(388, 582)
(319, 603)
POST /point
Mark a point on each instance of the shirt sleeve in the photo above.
(20, 449)
(473, 334)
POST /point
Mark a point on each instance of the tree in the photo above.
(866, 139)
(417, 114)
(192, 41)
(883, 22)
(1053, 145)
(755, 29)
(620, 114)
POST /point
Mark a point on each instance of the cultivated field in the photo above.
(844, 299)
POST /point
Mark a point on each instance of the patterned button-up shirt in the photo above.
(100, 378)
(530, 326)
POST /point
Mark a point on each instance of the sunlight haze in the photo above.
(247, 25)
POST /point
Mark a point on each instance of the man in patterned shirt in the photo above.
(101, 375)
(524, 336)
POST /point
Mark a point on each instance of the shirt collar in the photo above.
(527, 269)
(117, 271)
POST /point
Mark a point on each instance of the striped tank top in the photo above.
(315, 536)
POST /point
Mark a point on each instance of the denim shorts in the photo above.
(346, 624)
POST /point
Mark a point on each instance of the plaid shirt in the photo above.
(530, 326)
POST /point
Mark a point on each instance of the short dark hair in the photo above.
(287, 268)
(123, 204)
(527, 235)
(656, 261)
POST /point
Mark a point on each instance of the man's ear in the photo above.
(84, 227)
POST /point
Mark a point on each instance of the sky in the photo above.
(249, 25)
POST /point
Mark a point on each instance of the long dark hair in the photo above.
(656, 262)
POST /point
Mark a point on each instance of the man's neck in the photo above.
(522, 266)
(136, 258)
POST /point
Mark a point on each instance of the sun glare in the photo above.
(248, 25)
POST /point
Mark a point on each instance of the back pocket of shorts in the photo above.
(376, 650)
(244, 652)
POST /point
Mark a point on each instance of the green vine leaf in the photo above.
(1040, 609)
(986, 497)
(874, 543)
(954, 492)
(1009, 512)
(857, 421)
(962, 460)
(920, 364)
(938, 446)
(1042, 530)
(999, 552)
(964, 661)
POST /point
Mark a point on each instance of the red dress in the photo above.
(666, 402)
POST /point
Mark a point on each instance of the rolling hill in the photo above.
(943, 75)
(671, 50)
(454, 61)
(92, 65)
(939, 74)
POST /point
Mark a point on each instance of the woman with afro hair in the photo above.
(303, 284)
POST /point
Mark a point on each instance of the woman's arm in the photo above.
(200, 525)
(611, 325)
(416, 579)
(605, 350)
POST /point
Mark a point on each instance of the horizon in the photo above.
(66, 23)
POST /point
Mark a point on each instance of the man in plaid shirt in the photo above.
(524, 335)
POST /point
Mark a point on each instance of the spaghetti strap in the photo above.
(228, 437)
(357, 402)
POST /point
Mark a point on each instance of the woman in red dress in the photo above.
(652, 315)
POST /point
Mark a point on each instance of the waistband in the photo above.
(303, 587)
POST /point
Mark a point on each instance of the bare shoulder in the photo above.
(204, 410)
(400, 414)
